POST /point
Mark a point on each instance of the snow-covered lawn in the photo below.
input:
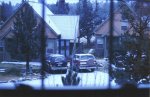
(88, 79)
(23, 63)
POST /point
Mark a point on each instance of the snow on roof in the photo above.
(68, 25)
(38, 9)
(64, 25)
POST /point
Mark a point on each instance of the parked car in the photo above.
(56, 62)
(84, 61)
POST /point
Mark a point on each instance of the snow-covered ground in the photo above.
(88, 79)
(23, 63)
(97, 79)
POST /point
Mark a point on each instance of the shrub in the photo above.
(70, 79)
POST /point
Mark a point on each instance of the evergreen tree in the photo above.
(24, 44)
(52, 7)
(133, 60)
(23, 1)
(62, 7)
(71, 79)
(104, 11)
(6, 11)
(97, 16)
(85, 10)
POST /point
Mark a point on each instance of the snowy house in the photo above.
(60, 30)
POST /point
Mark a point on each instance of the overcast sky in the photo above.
(14, 2)
(48, 1)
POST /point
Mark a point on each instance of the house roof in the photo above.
(106, 22)
(64, 25)
(38, 9)
(68, 25)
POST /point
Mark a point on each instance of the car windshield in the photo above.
(86, 57)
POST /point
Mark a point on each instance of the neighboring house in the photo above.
(120, 26)
(60, 30)
(102, 33)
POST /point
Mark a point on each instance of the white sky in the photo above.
(13, 2)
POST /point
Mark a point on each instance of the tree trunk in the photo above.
(88, 42)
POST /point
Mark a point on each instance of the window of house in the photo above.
(123, 28)
(100, 40)
(50, 47)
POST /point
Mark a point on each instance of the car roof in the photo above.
(84, 54)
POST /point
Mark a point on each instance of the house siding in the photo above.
(102, 50)
(103, 29)
(102, 32)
